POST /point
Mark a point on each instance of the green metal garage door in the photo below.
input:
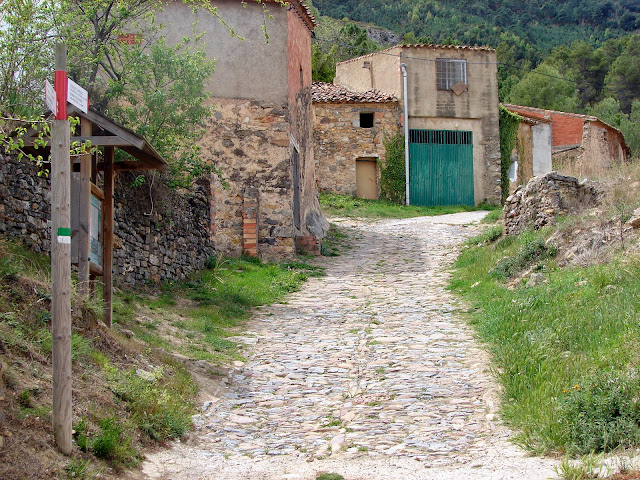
(441, 167)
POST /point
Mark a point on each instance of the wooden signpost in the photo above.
(91, 225)
(61, 260)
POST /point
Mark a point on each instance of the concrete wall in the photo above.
(249, 68)
(383, 73)
(542, 145)
(340, 141)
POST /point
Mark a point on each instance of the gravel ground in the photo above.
(369, 372)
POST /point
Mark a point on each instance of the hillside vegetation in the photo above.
(576, 56)
(134, 386)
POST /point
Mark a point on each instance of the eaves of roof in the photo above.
(330, 93)
(430, 46)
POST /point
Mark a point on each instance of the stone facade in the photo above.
(159, 233)
(470, 105)
(260, 135)
(340, 141)
(540, 201)
(601, 149)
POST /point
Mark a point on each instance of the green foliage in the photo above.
(329, 476)
(623, 79)
(160, 401)
(353, 41)
(108, 440)
(545, 87)
(509, 124)
(488, 235)
(548, 338)
(393, 172)
(164, 99)
(602, 412)
(532, 251)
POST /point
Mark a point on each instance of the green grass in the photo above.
(550, 342)
(348, 206)
(212, 304)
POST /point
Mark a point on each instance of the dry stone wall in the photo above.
(160, 234)
(539, 202)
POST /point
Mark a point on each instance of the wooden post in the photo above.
(84, 210)
(107, 235)
(61, 264)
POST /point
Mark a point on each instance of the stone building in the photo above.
(583, 145)
(533, 148)
(452, 97)
(349, 135)
(260, 136)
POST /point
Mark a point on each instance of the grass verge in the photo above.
(196, 318)
(131, 385)
(565, 349)
(348, 206)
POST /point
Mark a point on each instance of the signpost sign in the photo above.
(50, 97)
(78, 96)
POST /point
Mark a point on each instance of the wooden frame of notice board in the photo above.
(92, 186)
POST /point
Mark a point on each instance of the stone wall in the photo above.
(25, 203)
(340, 141)
(250, 143)
(159, 234)
(540, 201)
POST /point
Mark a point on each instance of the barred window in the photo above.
(450, 71)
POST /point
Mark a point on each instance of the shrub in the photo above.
(392, 176)
(533, 250)
(602, 413)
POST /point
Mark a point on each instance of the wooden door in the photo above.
(367, 178)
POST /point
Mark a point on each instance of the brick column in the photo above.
(308, 245)
(250, 222)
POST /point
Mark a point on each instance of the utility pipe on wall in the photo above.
(403, 66)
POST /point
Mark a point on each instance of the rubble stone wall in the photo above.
(539, 202)
(160, 235)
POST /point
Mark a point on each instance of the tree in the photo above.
(623, 80)
(158, 91)
(545, 87)
(26, 59)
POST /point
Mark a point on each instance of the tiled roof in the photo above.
(330, 93)
(543, 114)
(431, 46)
(304, 12)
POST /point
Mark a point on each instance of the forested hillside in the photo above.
(573, 55)
(543, 24)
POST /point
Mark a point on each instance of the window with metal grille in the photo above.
(450, 71)
(442, 137)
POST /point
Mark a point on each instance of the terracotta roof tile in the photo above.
(330, 93)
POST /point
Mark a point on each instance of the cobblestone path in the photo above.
(369, 372)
